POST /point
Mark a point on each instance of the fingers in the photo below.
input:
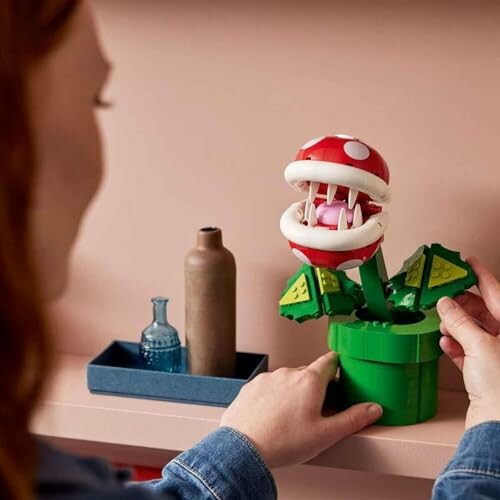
(475, 306)
(453, 350)
(325, 367)
(349, 421)
(457, 323)
(488, 286)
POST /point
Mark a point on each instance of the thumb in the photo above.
(352, 420)
(458, 323)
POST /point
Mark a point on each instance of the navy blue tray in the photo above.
(118, 371)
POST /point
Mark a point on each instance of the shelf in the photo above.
(70, 412)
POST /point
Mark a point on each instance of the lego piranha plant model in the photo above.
(386, 331)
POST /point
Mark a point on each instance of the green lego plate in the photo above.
(429, 274)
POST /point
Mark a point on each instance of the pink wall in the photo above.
(213, 99)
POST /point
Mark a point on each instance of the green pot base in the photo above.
(393, 365)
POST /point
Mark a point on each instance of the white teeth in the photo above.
(357, 219)
(310, 208)
(312, 219)
(313, 191)
(306, 210)
(309, 214)
(342, 223)
(353, 195)
(332, 189)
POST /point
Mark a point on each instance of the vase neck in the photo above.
(160, 310)
(209, 238)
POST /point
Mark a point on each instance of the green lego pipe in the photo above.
(395, 365)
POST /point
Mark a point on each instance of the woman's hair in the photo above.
(29, 29)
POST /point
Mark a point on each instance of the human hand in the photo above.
(471, 327)
(280, 413)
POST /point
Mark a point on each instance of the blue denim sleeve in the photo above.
(224, 466)
(474, 471)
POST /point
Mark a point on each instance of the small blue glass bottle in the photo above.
(160, 345)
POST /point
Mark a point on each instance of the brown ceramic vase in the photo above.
(210, 287)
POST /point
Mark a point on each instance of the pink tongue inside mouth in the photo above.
(329, 214)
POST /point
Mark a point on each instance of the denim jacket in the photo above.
(226, 466)
(474, 471)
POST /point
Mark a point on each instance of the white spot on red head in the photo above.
(312, 142)
(344, 136)
(356, 150)
(301, 256)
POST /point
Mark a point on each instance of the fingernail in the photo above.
(445, 305)
(375, 411)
